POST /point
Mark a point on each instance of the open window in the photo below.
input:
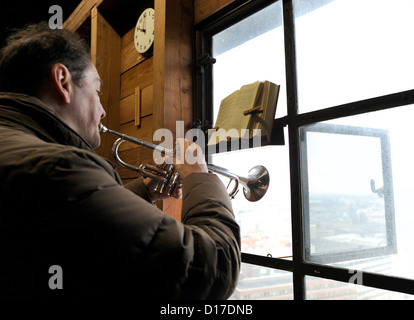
(347, 190)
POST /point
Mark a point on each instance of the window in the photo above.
(349, 50)
(348, 199)
(336, 221)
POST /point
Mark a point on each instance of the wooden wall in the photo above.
(136, 104)
(105, 53)
(140, 93)
(173, 67)
(204, 8)
(143, 93)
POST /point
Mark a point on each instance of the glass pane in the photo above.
(251, 50)
(345, 210)
(347, 202)
(266, 224)
(261, 283)
(349, 50)
(323, 289)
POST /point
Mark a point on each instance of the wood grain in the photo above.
(80, 14)
(205, 8)
(105, 54)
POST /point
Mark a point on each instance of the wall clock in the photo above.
(144, 31)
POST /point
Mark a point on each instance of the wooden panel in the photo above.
(173, 72)
(136, 73)
(143, 132)
(137, 106)
(80, 14)
(205, 8)
(130, 57)
(127, 105)
(105, 53)
(147, 100)
(127, 38)
(139, 76)
(173, 64)
(126, 109)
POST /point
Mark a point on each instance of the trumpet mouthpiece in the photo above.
(102, 128)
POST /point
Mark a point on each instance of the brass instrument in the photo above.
(254, 185)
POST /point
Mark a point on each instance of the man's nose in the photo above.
(103, 115)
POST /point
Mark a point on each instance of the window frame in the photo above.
(203, 119)
(388, 195)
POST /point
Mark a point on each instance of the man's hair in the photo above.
(30, 53)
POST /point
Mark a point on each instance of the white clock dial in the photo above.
(144, 31)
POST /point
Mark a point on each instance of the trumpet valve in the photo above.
(170, 182)
(173, 179)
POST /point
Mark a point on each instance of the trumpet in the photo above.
(255, 185)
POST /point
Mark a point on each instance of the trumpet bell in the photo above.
(256, 184)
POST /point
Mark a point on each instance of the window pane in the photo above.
(261, 283)
(323, 289)
(345, 211)
(251, 50)
(349, 50)
(344, 185)
(265, 225)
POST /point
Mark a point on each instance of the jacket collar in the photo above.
(31, 114)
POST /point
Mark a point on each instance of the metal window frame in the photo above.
(203, 32)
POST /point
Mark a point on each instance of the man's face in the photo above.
(87, 108)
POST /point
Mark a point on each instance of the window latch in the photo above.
(204, 61)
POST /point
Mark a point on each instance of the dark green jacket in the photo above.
(63, 205)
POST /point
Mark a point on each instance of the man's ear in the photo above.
(61, 82)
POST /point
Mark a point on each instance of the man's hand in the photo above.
(188, 158)
(155, 195)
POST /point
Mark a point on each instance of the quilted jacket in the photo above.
(63, 206)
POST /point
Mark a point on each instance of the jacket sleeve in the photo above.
(137, 186)
(130, 244)
(212, 235)
(200, 257)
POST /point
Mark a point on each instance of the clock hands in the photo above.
(144, 24)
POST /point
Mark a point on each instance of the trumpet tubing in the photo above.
(255, 185)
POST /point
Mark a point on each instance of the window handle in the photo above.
(379, 191)
(205, 60)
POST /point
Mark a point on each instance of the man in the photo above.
(63, 207)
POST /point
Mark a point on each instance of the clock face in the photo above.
(144, 31)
